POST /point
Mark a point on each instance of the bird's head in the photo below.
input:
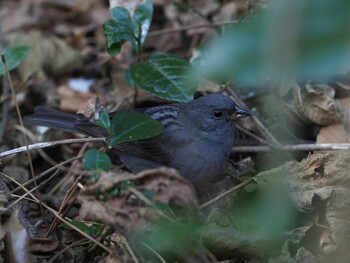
(213, 112)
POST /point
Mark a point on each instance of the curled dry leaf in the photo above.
(314, 103)
(90, 108)
(320, 185)
(337, 132)
(125, 209)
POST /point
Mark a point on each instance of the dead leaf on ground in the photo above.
(47, 53)
(42, 245)
(314, 103)
(91, 108)
(337, 132)
(125, 209)
(320, 186)
(71, 100)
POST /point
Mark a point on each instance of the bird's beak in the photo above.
(240, 113)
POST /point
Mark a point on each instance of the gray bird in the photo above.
(196, 141)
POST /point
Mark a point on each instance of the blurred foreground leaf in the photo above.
(286, 40)
(164, 75)
(14, 56)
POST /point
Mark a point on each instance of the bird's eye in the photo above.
(218, 114)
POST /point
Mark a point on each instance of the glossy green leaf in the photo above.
(289, 39)
(142, 19)
(119, 30)
(96, 160)
(166, 76)
(131, 125)
(14, 56)
(104, 121)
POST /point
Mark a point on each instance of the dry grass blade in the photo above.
(56, 214)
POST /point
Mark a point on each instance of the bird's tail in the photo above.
(44, 116)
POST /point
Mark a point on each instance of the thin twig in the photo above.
(128, 247)
(61, 252)
(162, 260)
(63, 183)
(261, 127)
(179, 29)
(5, 108)
(233, 189)
(296, 147)
(58, 166)
(29, 157)
(34, 189)
(50, 144)
(256, 137)
(55, 213)
(5, 93)
(69, 198)
(143, 198)
(31, 136)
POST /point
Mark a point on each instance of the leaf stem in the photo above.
(139, 44)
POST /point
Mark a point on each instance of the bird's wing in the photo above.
(145, 149)
(85, 126)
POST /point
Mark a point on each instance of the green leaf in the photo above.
(289, 39)
(142, 19)
(182, 6)
(131, 125)
(93, 230)
(14, 56)
(119, 30)
(166, 76)
(148, 194)
(104, 121)
(96, 160)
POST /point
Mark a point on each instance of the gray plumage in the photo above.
(197, 137)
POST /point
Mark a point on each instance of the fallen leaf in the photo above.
(124, 209)
(71, 100)
(337, 132)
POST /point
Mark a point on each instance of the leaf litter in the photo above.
(317, 186)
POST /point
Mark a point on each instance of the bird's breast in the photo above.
(201, 161)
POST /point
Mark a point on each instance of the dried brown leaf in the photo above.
(320, 184)
(48, 53)
(125, 209)
(71, 100)
(337, 132)
(90, 108)
(42, 245)
(315, 103)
